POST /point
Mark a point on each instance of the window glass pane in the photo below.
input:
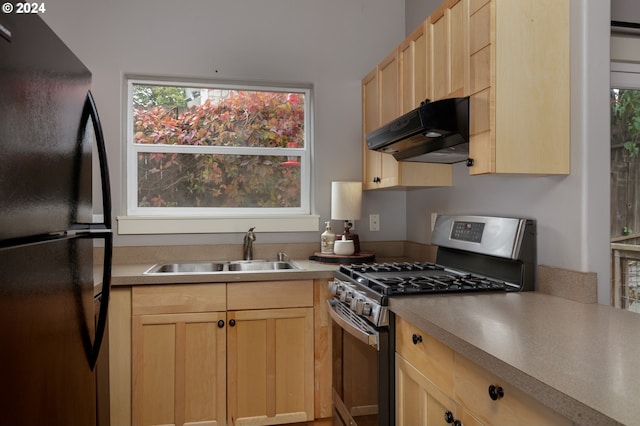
(625, 166)
(193, 146)
(214, 117)
(213, 180)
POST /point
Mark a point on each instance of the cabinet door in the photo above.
(179, 369)
(389, 101)
(449, 57)
(418, 401)
(270, 366)
(370, 121)
(413, 69)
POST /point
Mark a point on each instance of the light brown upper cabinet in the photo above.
(382, 102)
(512, 58)
(519, 86)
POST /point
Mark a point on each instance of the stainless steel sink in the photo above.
(186, 268)
(260, 265)
(194, 268)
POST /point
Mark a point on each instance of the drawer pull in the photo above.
(416, 338)
(220, 323)
(495, 392)
(232, 322)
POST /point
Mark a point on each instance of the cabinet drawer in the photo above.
(428, 355)
(269, 295)
(174, 299)
(515, 407)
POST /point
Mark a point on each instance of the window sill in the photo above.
(148, 225)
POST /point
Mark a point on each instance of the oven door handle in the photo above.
(353, 324)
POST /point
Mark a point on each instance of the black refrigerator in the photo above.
(53, 299)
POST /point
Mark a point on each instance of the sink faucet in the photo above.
(247, 245)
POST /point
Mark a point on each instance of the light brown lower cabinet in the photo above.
(432, 381)
(213, 354)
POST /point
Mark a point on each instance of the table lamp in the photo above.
(346, 204)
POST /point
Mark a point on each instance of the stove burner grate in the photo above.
(433, 284)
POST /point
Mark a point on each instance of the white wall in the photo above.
(572, 211)
(331, 44)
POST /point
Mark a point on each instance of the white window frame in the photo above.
(173, 220)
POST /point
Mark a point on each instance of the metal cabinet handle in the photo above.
(416, 338)
(232, 322)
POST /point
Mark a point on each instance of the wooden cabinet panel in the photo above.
(168, 299)
(458, 50)
(179, 369)
(449, 50)
(427, 354)
(270, 362)
(418, 401)
(479, 28)
(515, 407)
(414, 78)
(269, 294)
(524, 48)
(388, 72)
(439, 58)
(371, 160)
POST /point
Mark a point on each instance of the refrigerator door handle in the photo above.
(101, 324)
(90, 111)
(101, 230)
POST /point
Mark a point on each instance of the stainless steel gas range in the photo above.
(476, 254)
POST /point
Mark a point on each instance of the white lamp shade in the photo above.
(346, 200)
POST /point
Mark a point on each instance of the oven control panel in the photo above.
(489, 235)
(467, 231)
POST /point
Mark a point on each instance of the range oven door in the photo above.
(362, 382)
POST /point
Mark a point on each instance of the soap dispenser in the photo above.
(327, 239)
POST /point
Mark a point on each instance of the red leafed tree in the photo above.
(241, 119)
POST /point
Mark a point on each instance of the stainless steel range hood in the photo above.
(435, 132)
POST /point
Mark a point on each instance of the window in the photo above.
(625, 191)
(209, 150)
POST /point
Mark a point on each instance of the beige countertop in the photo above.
(132, 274)
(579, 359)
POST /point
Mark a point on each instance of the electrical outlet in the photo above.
(374, 222)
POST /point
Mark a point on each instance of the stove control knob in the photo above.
(366, 309)
(336, 287)
(348, 296)
(345, 295)
(354, 304)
